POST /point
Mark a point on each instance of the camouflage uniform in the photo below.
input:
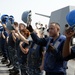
(34, 59)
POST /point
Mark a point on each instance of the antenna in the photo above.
(43, 15)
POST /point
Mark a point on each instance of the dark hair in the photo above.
(55, 23)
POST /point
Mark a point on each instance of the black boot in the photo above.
(4, 61)
(8, 64)
(15, 72)
(12, 69)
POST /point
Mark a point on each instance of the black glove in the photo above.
(30, 28)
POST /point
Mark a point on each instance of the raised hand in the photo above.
(69, 33)
(29, 27)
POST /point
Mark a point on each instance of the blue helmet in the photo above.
(25, 16)
(4, 18)
(11, 18)
(71, 18)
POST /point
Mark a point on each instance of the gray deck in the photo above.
(70, 70)
(3, 68)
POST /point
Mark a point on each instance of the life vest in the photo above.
(50, 58)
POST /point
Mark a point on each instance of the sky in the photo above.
(17, 7)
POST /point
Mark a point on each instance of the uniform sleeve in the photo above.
(39, 41)
(6, 34)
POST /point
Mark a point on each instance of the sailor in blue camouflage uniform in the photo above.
(34, 59)
(11, 46)
(34, 56)
(54, 63)
(3, 46)
(4, 37)
(1, 29)
(21, 32)
(15, 60)
(23, 62)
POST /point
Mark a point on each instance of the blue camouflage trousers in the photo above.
(34, 71)
(23, 68)
(13, 57)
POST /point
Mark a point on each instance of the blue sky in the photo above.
(17, 7)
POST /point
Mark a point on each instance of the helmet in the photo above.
(71, 18)
(26, 16)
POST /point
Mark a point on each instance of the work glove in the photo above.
(29, 27)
